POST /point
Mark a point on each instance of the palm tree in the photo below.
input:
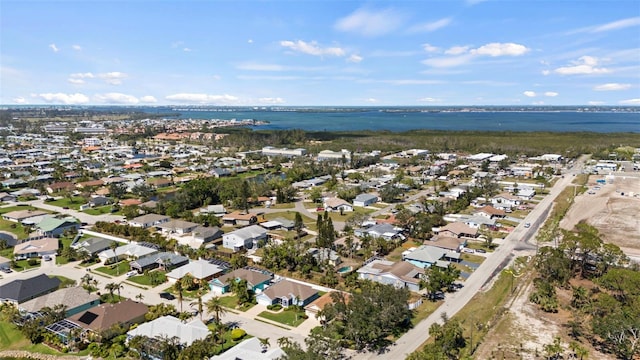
(214, 306)
(199, 304)
(264, 343)
(139, 297)
(113, 245)
(111, 287)
(178, 288)
(119, 287)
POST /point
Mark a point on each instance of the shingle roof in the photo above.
(71, 297)
(104, 316)
(289, 289)
(252, 277)
(24, 289)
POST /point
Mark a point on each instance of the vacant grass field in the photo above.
(73, 203)
(287, 317)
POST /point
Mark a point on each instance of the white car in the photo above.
(527, 225)
(132, 273)
(470, 251)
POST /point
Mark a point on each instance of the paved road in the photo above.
(492, 266)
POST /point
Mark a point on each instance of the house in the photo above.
(448, 243)
(317, 305)
(457, 229)
(257, 281)
(239, 218)
(22, 290)
(60, 186)
(149, 220)
(36, 248)
(178, 227)
(384, 230)
(201, 270)
(217, 210)
(364, 200)
(400, 274)
(76, 299)
(159, 183)
(55, 227)
(250, 349)
(98, 201)
(6, 197)
(427, 255)
(200, 236)
(92, 246)
(169, 327)
(130, 202)
(325, 254)
(490, 212)
(244, 238)
(128, 251)
(279, 223)
(337, 204)
(102, 317)
(286, 293)
(526, 193)
(163, 260)
(20, 215)
(505, 201)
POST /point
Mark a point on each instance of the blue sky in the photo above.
(329, 52)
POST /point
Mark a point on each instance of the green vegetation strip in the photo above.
(287, 317)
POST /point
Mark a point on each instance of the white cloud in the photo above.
(76, 47)
(371, 23)
(584, 65)
(61, 98)
(187, 49)
(551, 94)
(371, 100)
(614, 25)
(630, 102)
(116, 98)
(203, 98)
(431, 26)
(54, 47)
(448, 61)
(250, 41)
(430, 48)
(20, 100)
(501, 49)
(76, 81)
(86, 75)
(456, 50)
(312, 48)
(260, 67)
(113, 78)
(546, 72)
(529, 93)
(354, 58)
(429, 100)
(148, 99)
(612, 87)
(595, 102)
(270, 100)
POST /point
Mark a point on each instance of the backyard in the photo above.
(120, 268)
(231, 302)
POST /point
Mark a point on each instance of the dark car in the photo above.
(167, 296)
(482, 251)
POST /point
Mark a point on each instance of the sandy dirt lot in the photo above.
(614, 210)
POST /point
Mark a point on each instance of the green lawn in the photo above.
(102, 210)
(145, 280)
(15, 228)
(116, 269)
(288, 317)
(66, 202)
(17, 208)
(231, 302)
(12, 339)
(24, 264)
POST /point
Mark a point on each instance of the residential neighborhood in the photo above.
(164, 238)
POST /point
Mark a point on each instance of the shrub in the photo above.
(237, 334)
(32, 262)
(274, 307)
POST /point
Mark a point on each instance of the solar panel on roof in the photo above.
(88, 317)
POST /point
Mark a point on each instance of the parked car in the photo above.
(527, 225)
(470, 251)
(167, 296)
(132, 273)
(481, 251)
(46, 258)
(6, 270)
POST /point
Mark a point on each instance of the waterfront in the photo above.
(399, 121)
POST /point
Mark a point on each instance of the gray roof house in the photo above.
(363, 200)
(386, 231)
(149, 220)
(286, 293)
(201, 270)
(165, 260)
(427, 255)
(76, 299)
(21, 290)
(93, 245)
(179, 227)
(399, 274)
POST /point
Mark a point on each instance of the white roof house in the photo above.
(250, 349)
(126, 251)
(245, 237)
(199, 269)
(169, 326)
